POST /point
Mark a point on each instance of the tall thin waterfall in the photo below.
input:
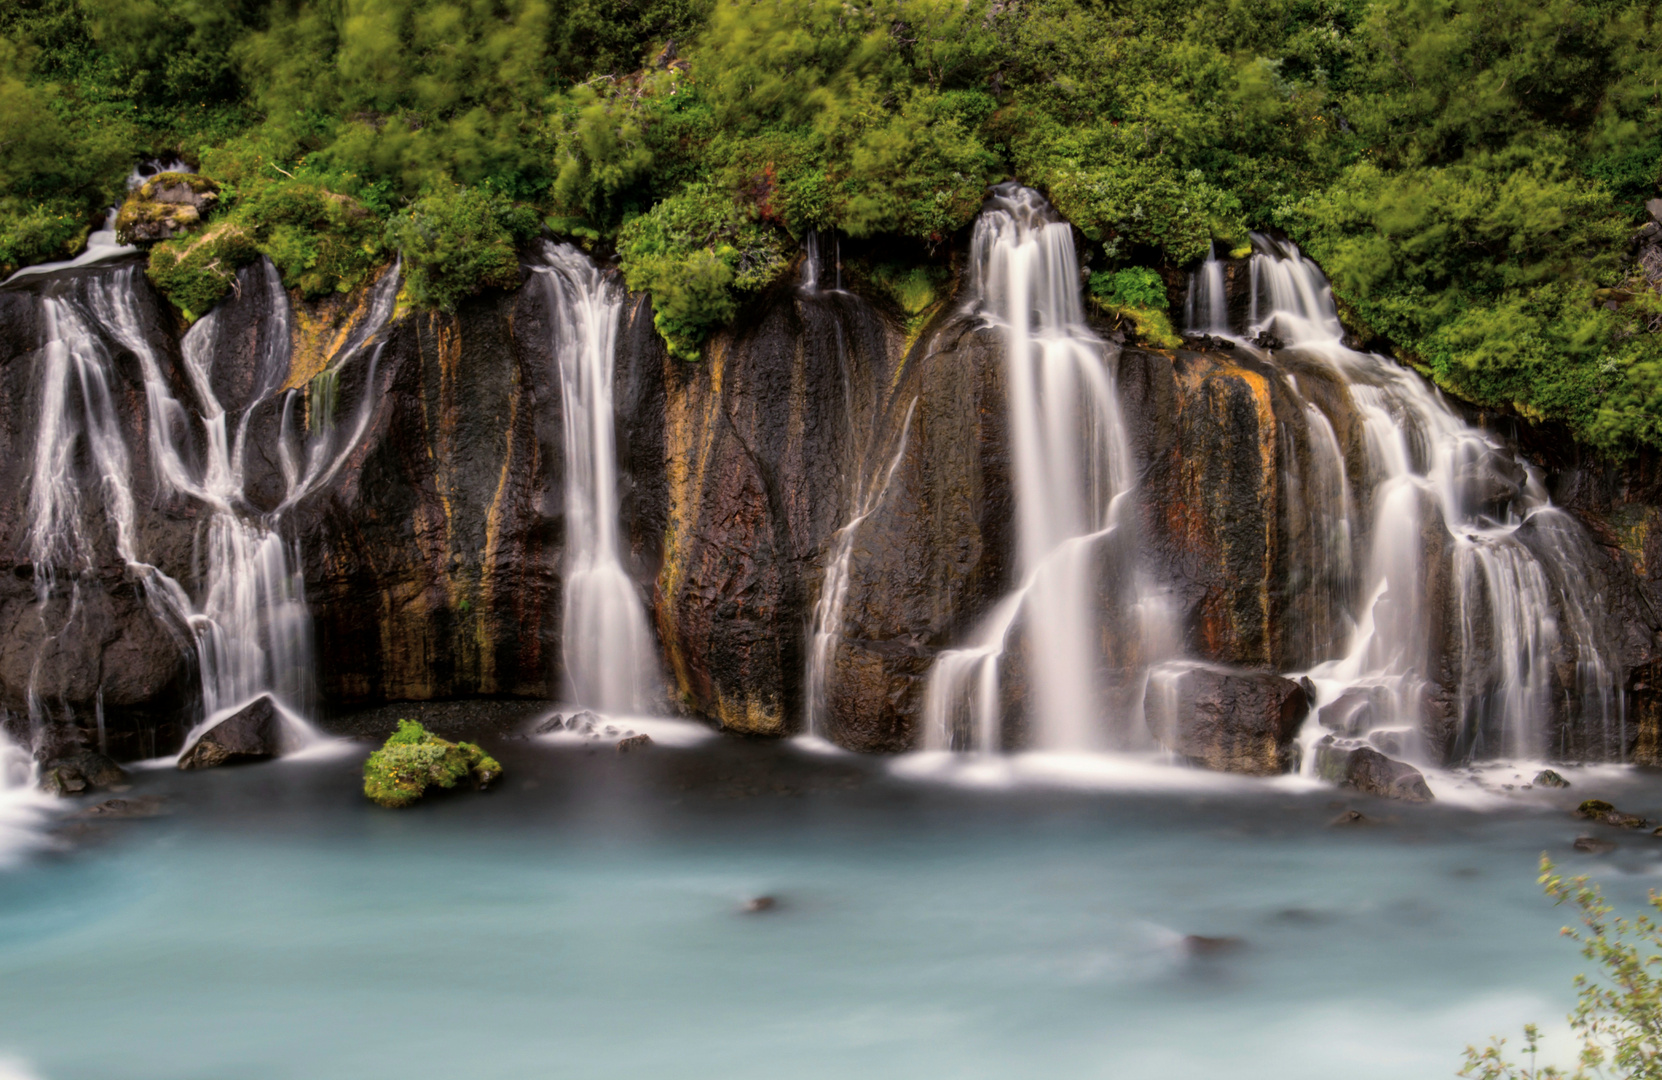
(1517, 597)
(608, 645)
(250, 627)
(1207, 309)
(1071, 473)
(827, 628)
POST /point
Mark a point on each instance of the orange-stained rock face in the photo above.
(432, 556)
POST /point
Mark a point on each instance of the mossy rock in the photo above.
(196, 271)
(165, 206)
(413, 760)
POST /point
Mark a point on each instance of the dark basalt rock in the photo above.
(1232, 721)
(79, 772)
(1369, 771)
(252, 733)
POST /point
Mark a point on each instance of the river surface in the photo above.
(586, 919)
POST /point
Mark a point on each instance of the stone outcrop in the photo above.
(432, 552)
(164, 206)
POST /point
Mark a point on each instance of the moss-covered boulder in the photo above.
(413, 759)
(164, 206)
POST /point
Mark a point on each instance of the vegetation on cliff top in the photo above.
(412, 760)
(1470, 172)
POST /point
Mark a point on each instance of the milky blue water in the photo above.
(585, 920)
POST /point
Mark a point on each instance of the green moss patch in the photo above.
(413, 760)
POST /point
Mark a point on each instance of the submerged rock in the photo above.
(758, 904)
(1235, 721)
(1367, 770)
(142, 807)
(79, 772)
(1351, 817)
(252, 733)
(634, 742)
(1548, 778)
(1201, 945)
(1592, 845)
(1602, 812)
(413, 760)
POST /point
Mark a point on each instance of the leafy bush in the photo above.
(1136, 295)
(412, 760)
(196, 271)
(1619, 1020)
(458, 241)
(696, 252)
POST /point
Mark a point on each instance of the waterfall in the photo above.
(608, 646)
(1435, 480)
(250, 629)
(827, 627)
(1071, 475)
(1207, 309)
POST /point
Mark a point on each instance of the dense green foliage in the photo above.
(1468, 171)
(1618, 1016)
(412, 760)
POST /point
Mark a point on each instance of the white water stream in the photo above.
(1430, 475)
(608, 645)
(249, 625)
(1071, 476)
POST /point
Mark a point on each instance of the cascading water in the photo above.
(827, 627)
(1516, 597)
(1071, 476)
(251, 631)
(608, 645)
(1207, 309)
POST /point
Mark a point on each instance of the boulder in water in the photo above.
(78, 772)
(1592, 845)
(1237, 721)
(252, 733)
(634, 742)
(1351, 817)
(1548, 778)
(1367, 770)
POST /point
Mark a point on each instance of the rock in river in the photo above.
(252, 733)
(1367, 770)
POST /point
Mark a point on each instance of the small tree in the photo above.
(1618, 1018)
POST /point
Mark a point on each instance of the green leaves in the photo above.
(1618, 1014)
(695, 252)
(458, 241)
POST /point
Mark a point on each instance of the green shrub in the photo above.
(43, 232)
(1135, 295)
(412, 760)
(196, 271)
(458, 241)
(1619, 1019)
(696, 252)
